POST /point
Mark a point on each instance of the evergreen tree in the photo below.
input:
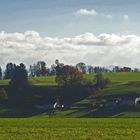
(0, 73)
(19, 80)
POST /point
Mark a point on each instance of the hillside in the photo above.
(119, 77)
(123, 85)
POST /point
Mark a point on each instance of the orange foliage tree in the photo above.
(69, 76)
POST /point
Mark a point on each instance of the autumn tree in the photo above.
(69, 76)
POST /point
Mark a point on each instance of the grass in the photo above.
(121, 83)
(4, 82)
(37, 81)
(121, 89)
(43, 81)
(44, 127)
(119, 77)
(128, 115)
(69, 129)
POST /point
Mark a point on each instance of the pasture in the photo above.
(118, 77)
(122, 83)
(115, 78)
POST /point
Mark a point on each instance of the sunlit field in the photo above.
(69, 129)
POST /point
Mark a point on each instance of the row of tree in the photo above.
(40, 69)
(71, 76)
(66, 76)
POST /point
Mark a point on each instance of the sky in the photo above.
(97, 32)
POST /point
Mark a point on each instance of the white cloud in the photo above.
(104, 49)
(125, 17)
(92, 12)
(87, 12)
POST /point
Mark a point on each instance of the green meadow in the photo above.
(122, 83)
(118, 77)
(77, 123)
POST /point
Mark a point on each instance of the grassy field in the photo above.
(37, 81)
(119, 77)
(43, 126)
(121, 83)
(69, 129)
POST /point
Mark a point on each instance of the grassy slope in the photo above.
(69, 129)
(43, 81)
(123, 76)
(122, 83)
(120, 77)
(37, 81)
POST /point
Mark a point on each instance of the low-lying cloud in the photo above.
(104, 49)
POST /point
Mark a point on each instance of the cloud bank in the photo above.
(104, 49)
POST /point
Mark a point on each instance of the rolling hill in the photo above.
(125, 84)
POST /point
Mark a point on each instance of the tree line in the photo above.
(67, 76)
(40, 69)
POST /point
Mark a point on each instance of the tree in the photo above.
(81, 67)
(10, 68)
(101, 81)
(69, 76)
(58, 66)
(136, 70)
(90, 69)
(19, 80)
(0, 73)
(53, 69)
(38, 69)
(42, 68)
(116, 69)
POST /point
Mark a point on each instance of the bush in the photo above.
(101, 81)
